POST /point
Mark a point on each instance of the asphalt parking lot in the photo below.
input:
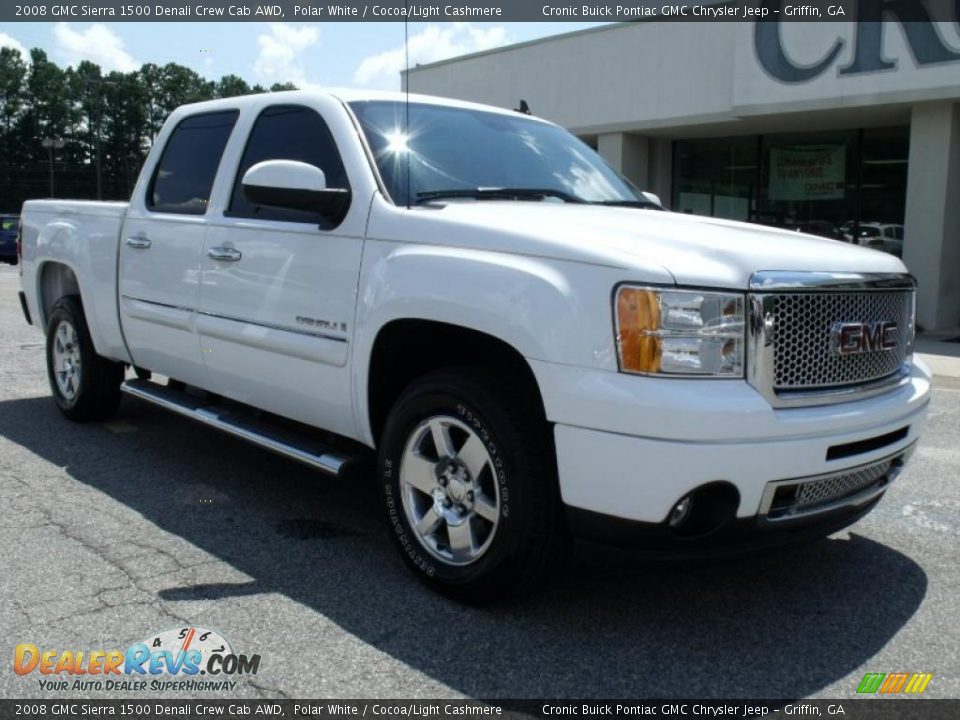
(113, 532)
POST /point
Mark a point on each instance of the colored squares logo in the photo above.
(894, 683)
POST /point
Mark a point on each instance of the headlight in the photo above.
(680, 332)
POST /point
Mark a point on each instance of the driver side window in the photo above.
(288, 132)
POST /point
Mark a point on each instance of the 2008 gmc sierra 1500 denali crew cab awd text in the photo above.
(531, 345)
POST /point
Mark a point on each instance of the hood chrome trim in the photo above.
(795, 281)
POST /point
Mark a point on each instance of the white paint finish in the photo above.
(692, 79)
(285, 273)
(642, 479)
(171, 317)
(695, 250)
(537, 275)
(166, 274)
(292, 278)
(305, 346)
(540, 306)
(710, 411)
(83, 237)
(931, 244)
(285, 174)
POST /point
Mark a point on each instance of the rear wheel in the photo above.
(85, 386)
(467, 473)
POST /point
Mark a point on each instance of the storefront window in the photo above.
(717, 177)
(808, 181)
(848, 185)
(883, 182)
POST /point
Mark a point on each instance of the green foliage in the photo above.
(113, 117)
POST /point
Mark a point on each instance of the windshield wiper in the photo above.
(498, 193)
(629, 203)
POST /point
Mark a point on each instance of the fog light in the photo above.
(680, 512)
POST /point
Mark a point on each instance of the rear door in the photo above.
(161, 245)
(279, 286)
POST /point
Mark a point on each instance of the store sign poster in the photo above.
(808, 172)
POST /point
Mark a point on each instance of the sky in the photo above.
(367, 55)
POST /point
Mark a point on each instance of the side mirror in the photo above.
(653, 197)
(294, 185)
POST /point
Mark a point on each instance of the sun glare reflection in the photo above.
(396, 142)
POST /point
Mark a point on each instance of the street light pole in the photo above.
(50, 144)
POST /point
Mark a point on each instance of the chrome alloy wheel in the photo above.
(66, 360)
(449, 490)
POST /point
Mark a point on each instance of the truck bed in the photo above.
(82, 235)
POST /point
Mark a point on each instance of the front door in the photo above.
(278, 287)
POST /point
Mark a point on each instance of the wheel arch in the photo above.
(391, 369)
(55, 280)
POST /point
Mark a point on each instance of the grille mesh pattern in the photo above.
(839, 486)
(802, 353)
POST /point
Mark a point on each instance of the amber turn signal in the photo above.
(638, 320)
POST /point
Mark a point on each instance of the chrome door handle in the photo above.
(139, 243)
(224, 254)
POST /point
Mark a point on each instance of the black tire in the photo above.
(96, 394)
(521, 471)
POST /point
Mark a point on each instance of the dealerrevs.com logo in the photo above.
(170, 660)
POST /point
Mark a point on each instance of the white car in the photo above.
(887, 237)
(528, 346)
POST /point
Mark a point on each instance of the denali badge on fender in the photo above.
(856, 338)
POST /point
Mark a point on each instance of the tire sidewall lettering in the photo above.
(389, 475)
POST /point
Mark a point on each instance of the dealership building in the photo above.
(844, 129)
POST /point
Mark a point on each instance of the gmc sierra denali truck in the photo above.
(532, 348)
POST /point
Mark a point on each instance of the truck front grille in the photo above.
(820, 338)
(803, 353)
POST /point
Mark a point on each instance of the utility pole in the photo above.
(97, 82)
(50, 144)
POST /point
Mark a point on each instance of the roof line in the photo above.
(525, 43)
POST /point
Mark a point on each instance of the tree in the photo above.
(231, 86)
(13, 75)
(113, 116)
(124, 130)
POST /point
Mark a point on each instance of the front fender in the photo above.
(544, 308)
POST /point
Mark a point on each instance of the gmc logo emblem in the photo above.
(848, 338)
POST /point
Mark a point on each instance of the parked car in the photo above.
(8, 238)
(529, 347)
(879, 236)
(887, 237)
(823, 228)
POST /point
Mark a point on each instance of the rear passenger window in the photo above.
(288, 132)
(184, 176)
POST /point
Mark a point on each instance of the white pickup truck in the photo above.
(532, 348)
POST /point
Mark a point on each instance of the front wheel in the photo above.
(468, 476)
(85, 386)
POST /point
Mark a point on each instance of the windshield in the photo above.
(453, 149)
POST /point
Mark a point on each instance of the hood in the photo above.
(695, 250)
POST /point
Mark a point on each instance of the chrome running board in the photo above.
(293, 445)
